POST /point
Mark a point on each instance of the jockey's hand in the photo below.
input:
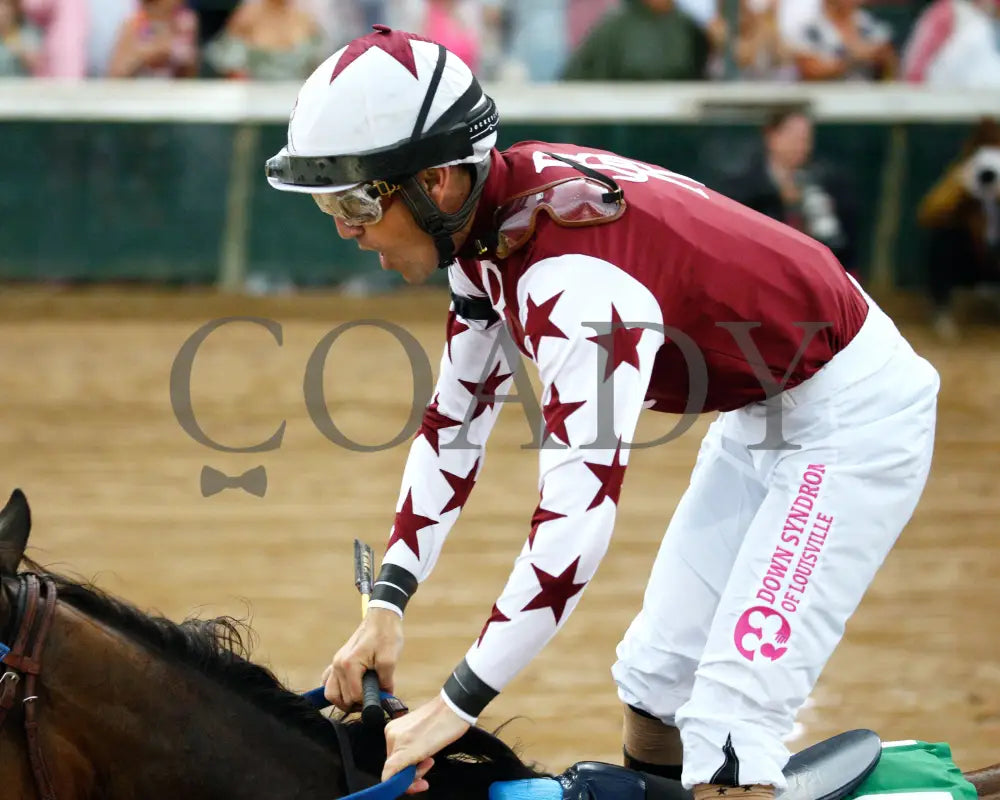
(413, 738)
(376, 644)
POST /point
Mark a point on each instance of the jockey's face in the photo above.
(402, 246)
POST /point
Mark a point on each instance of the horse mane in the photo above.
(219, 648)
(465, 769)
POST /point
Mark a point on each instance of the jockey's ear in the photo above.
(15, 525)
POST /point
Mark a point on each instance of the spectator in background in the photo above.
(212, 16)
(343, 20)
(761, 53)
(268, 40)
(955, 43)
(159, 41)
(20, 42)
(106, 19)
(443, 23)
(704, 12)
(643, 40)
(961, 212)
(64, 25)
(793, 14)
(844, 42)
(786, 184)
(539, 36)
(582, 16)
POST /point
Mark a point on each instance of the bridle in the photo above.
(31, 622)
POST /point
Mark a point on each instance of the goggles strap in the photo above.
(614, 193)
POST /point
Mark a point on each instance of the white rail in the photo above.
(209, 101)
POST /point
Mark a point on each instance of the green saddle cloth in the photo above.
(914, 770)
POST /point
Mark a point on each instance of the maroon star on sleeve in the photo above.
(460, 486)
(541, 515)
(621, 344)
(407, 524)
(496, 615)
(538, 322)
(432, 423)
(611, 477)
(455, 327)
(556, 590)
(485, 392)
(555, 413)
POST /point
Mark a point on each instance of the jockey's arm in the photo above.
(594, 339)
(447, 454)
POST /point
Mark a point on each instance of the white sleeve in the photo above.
(448, 451)
(594, 332)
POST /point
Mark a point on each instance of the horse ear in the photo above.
(15, 525)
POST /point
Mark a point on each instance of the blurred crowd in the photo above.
(939, 42)
(943, 43)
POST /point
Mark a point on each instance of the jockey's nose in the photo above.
(347, 231)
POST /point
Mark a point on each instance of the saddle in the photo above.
(829, 770)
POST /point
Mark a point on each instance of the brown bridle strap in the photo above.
(25, 658)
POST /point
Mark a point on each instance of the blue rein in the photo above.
(318, 699)
(390, 789)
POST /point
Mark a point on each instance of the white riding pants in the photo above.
(770, 551)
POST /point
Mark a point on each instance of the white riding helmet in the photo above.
(382, 108)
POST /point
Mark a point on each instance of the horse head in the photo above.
(124, 704)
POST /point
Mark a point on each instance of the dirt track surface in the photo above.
(89, 433)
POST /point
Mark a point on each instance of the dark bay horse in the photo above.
(120, 705)
(130, 706)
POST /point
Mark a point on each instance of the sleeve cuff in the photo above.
(466, 693)
(393, 588)
(458, 712)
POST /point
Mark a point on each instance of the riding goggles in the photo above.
(362, 205)
(570, 203)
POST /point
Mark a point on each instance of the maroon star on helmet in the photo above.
(485, 392)
(455, 327)
(556, 590)
(541, 515)
(395, 43)
(611, 477)
(433, 422)
(621, 344)
(555, 413)
(407, 525)
(539, 324)
(496, 615)
(461, 487)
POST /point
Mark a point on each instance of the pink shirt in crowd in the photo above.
(441, 26)
(64, 23)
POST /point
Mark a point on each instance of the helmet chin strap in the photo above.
(440, 225)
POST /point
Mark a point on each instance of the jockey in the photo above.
(630, 287)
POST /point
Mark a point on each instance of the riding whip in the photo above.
(364, 571)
